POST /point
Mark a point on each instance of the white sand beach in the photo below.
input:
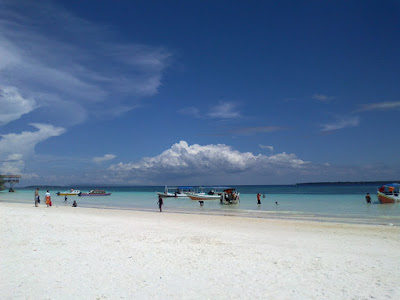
(83, 253)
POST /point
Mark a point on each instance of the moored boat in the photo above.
(95, 193)
(71, 192)
(230, 196)
(202, 196)
(389, 193)
(181, 191)
(224, 194)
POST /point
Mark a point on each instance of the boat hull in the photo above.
(204, 197)
(383, 198)
(105, 194)
(167, 195)
(67, 194)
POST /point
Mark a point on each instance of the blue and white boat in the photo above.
(181, 191)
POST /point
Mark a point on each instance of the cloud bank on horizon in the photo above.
(221, 164)
(186, 163)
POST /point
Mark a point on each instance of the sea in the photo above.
(331, 202)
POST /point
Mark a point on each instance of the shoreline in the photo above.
(257, 214)
(64, 252)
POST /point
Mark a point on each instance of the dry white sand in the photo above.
(81, 253)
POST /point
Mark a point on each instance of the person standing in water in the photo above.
(368, 198)
(258, 198)
(160, 202)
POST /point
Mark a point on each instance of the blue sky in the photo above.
(199, 92)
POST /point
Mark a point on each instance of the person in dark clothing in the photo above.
(258, 198)
(368, 198)
(160, 202)
(74, 204)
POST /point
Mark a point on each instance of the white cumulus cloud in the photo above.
(192, 161)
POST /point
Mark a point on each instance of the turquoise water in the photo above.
(336, 203)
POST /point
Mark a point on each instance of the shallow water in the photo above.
(329, 203)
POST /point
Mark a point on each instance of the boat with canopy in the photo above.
(389, 193)
(180, 191)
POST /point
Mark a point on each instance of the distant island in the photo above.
(347, 182)
(48, 187)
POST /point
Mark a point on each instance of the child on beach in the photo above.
(74, 204)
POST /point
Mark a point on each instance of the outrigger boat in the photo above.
(213, 194)
(389, 193)
(182, 191)
(226, 196)
(71, 192)
(95, 193)
(201, 197)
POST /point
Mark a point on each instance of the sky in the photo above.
(199, 92)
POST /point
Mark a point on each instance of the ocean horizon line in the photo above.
(86, 185)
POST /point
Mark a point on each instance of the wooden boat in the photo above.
(389, 193)
(182, 191)
(71, 192)
(215, 193)
(226, 196)
(95, 193)
(202, 197)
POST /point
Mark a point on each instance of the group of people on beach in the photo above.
(48, 199)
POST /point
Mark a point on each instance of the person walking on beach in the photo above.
(258, 198)
(37, 197)
(368, 198)
(65, 199)
(160, 202)
(48, 198)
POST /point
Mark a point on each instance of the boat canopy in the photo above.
(216, 187)
(390, 188)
